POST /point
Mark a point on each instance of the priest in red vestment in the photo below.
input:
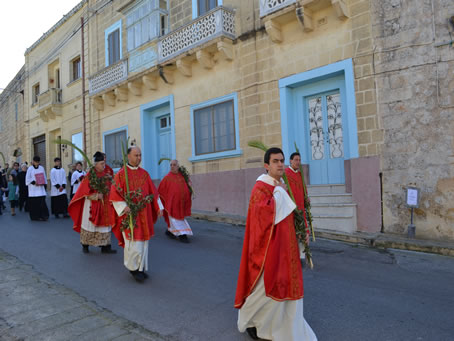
(90, 209)
(136, 248)
(176, 198)
(269, 292)
(296, 185)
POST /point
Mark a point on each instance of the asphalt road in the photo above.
(354, 293)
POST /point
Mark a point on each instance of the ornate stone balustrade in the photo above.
(216, 23)
(108, 77)
(269, 6)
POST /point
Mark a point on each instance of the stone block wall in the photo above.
(414, 67)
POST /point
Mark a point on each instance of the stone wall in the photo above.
(414, 67)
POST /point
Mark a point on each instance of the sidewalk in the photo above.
(33, 307)
(377, 240)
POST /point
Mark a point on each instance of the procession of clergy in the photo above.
(269, 292)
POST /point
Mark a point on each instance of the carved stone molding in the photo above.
(205, 59)
(110, 98)
(98, 103)
(184, 65)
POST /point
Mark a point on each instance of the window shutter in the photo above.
(130, 38)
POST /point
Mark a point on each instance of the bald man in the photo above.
(176, 198)
(135, 245)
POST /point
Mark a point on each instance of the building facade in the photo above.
(363, 88)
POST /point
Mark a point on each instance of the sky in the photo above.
(22, 22)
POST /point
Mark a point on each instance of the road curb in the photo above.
(377, 240)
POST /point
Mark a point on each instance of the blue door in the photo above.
(324, 137)
(164, 143)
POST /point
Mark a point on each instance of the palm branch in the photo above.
(163, 159)
(69, 143)
(3, 157)
(257, 144)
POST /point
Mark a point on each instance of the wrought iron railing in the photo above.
(218, 22)
(108, 77)
(270, 6)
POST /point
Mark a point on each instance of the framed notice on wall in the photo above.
(412, 197)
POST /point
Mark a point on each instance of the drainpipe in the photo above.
(83, 86)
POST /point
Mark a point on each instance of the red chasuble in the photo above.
(175, 196)
(296, 184)
(138, 179)
(100, 210)
(269, 248)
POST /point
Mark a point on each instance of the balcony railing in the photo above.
(218, 22)
(108, 77)
(270, 6)
(49, 98)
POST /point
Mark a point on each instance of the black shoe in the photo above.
(183, 238)
(252, 333)
(57, 217)
(170, 235)
(66, 216)
(138, 276)
(85, 249)
(145, 275)
(107, 249)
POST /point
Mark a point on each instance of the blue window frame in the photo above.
(200, 7)
(112, 146)
(215, 129)
(113, 44)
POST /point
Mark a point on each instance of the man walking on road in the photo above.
(270, 284)
(36, 181)
(90, 208)
(134, 226)
(59, 198)
(176, 197)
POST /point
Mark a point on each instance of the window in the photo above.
(112, 147)
(76, 70)
(200, 7)
(215, 128)
(35, 93)
(146, 22)
(77, 140)
(204, 6)
(113, 43)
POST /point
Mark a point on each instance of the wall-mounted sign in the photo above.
(412, 197)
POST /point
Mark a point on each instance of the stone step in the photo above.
(333, 223)
(333, 210)
(345, 198)
(326, 189)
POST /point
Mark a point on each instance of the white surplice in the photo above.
(274, 320)
(33, 190)
(74, 177)
(57, 177)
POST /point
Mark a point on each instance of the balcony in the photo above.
(108, 77)
(49, 104)
(220, 22)
(270, 6)
(276, 13)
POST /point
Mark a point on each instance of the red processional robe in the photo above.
(175, 196)
(100, 210)
(269, 248)
(138, 179)
(296, 184)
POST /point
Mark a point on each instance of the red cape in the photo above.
(100, 211)
(175, 196)
(270, 248)
(138, 179)
(296, 184)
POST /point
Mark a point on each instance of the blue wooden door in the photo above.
(324, 138)
(164, 143)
